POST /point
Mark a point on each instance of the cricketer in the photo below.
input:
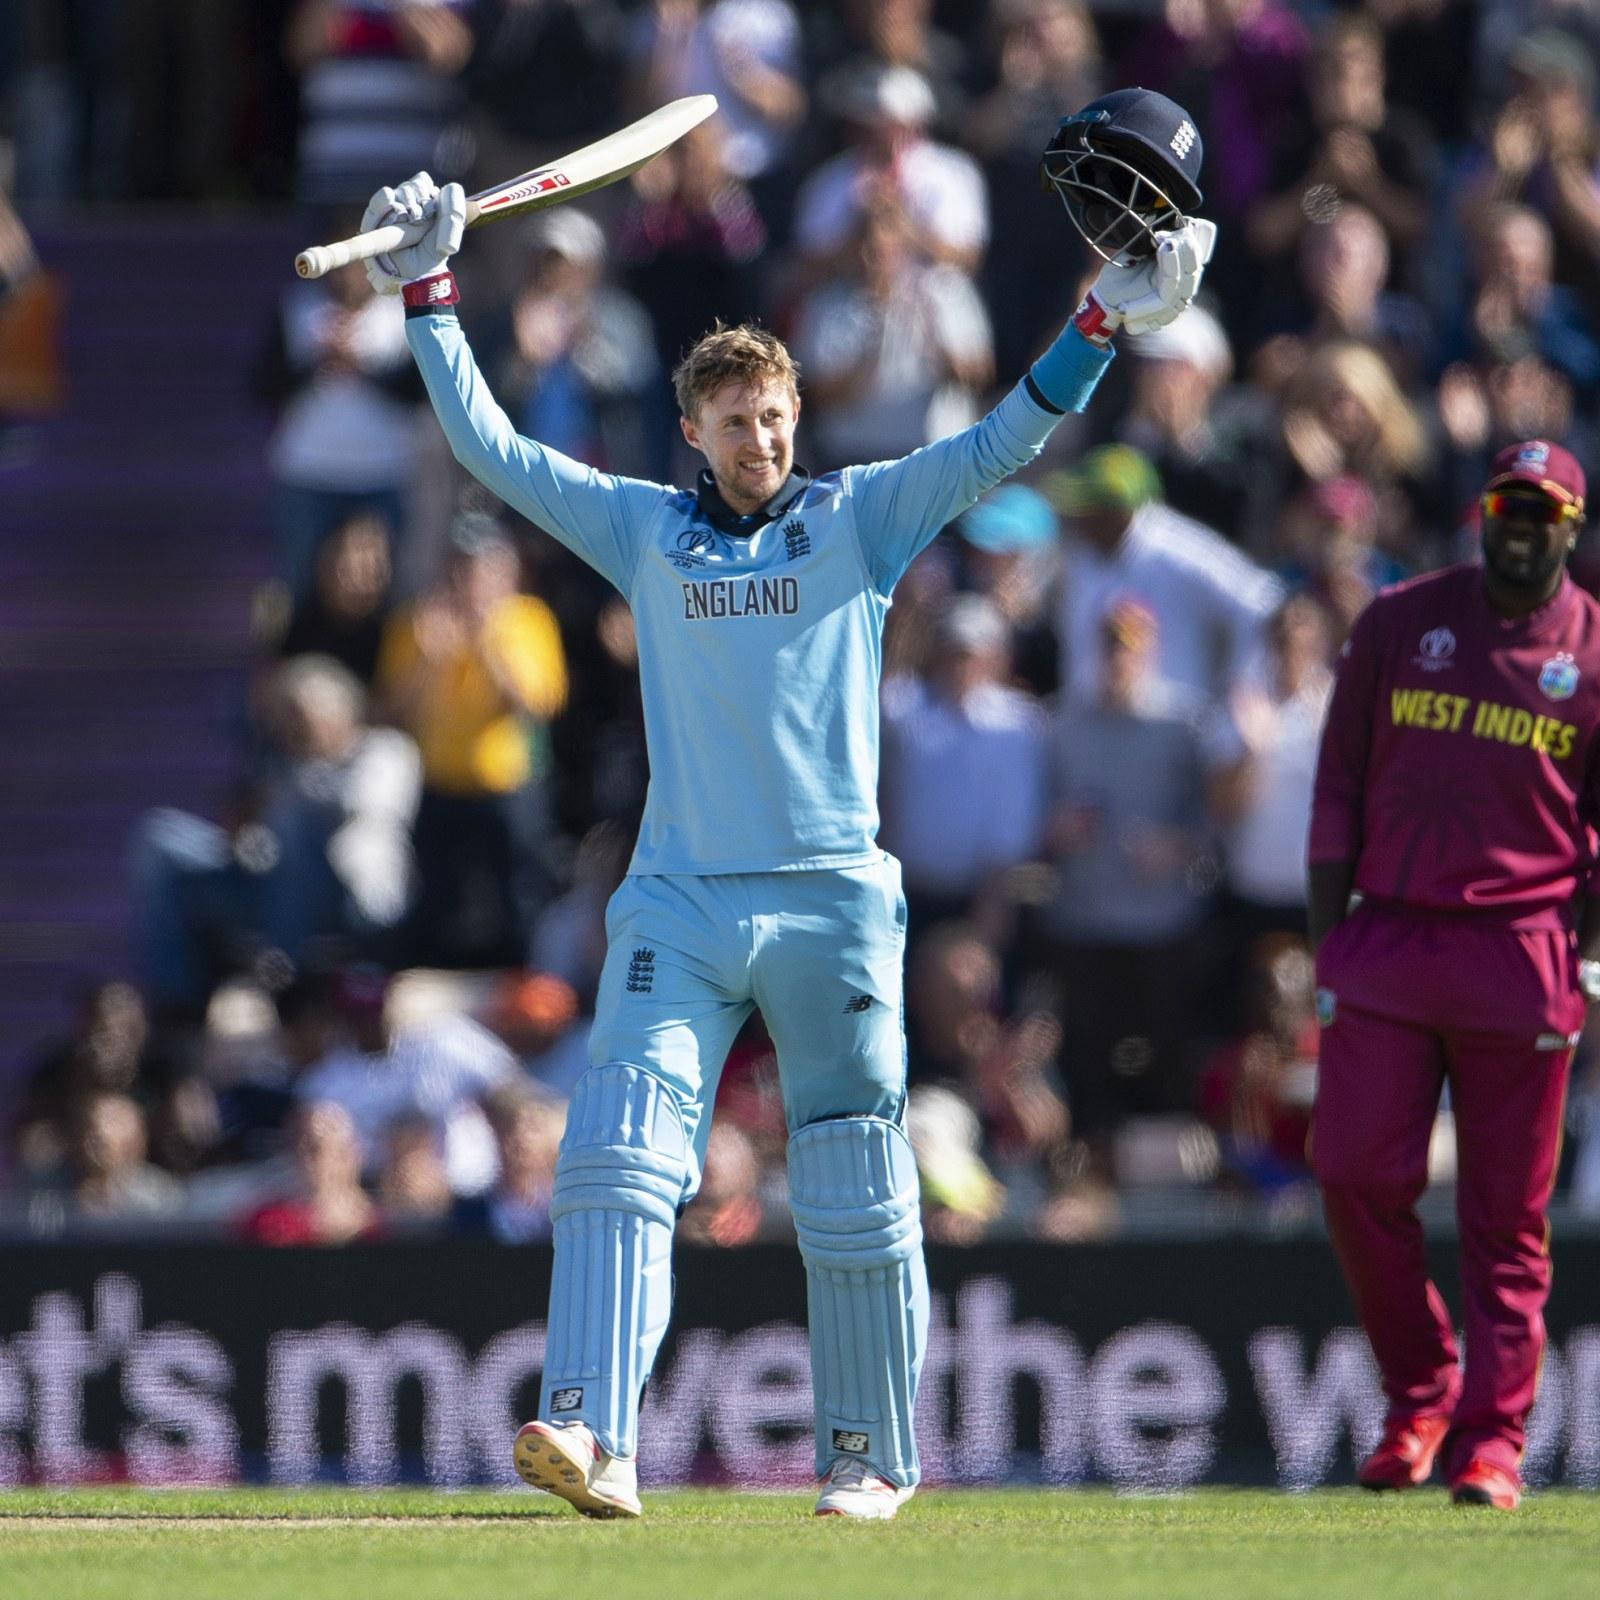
(758, 600)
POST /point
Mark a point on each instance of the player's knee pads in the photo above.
(620, 1176)
(624, 1148)
(854, 1197)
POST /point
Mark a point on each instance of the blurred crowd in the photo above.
(363, 990)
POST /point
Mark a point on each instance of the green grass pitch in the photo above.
(415, 1545)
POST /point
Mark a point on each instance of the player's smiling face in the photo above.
(1526, 538)
(746, 433)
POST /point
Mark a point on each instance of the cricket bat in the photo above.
(605, 161)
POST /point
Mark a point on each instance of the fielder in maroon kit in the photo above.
(1457, 792)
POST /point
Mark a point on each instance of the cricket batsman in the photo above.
(1457, 792)
(758, 599)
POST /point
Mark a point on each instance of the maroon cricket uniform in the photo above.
(1458, 771)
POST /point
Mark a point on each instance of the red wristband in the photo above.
(1090, 320)
(427, 294)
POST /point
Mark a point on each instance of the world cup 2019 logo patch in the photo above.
(1436, 650)
(1327, 1007)
(1558, 677)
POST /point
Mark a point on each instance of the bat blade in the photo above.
(607, 160)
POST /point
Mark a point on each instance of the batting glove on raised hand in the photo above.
(1152, 292)
(437, 217)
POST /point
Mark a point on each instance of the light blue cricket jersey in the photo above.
(760, 638)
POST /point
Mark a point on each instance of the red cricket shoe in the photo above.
(1404, 1456)
(1482, 1483)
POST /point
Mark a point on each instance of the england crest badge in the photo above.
(1558, 677)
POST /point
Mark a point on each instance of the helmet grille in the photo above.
(1120, 211)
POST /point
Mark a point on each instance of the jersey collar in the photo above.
(726, 520)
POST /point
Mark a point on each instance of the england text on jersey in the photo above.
(740, 597)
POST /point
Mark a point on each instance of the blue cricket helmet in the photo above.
(1127, 168)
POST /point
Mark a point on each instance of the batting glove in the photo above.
(1153, 292)
(435, 216)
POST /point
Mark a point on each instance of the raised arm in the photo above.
(901, 505)
(596, 515)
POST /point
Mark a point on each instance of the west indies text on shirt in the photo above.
(1458, 764)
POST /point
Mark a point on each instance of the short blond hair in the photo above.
(745, 354)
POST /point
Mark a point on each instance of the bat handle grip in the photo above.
(323, 258)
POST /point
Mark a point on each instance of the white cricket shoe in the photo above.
(567, 1460)
(853, 1489)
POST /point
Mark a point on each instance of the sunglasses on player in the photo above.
(1523, 505)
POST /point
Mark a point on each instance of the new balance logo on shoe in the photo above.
(566, 1399)
(852, 1444)
(857, 1003)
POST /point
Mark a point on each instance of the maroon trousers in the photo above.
(1411, 998)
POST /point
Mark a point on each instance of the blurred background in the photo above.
(319, 764)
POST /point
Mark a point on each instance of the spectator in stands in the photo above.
(440, 1067)
(690, 239)
(1008, 555)
(110, 1177)
(1543, 151)
(1128, 833)
(748, 54)
(880, 34)
(1046, 63)
(527, 1130)
(102, 1180)
(1325, 542)
(475, 671)
(378, 92)
(960, 1196)
(1483, 408)
(1002, 1064)
(1343, 293)
(1261, 792)
(939, 188)
(727, 1209)
(1256, 1091)
(1353, 150)
(570, 942)
(255, 1110)
(945, 737)
(345, 390)
(1238, 68)
(1346, 414)
(1514, 305)
(544, 78)
(578, 368)
(535, 1015)
(343, 614)
(896, 352)
(413, 1188)
(1208, 600)
(319, 849)
(1179, 417)
(108, 1050)
(326, 1205)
